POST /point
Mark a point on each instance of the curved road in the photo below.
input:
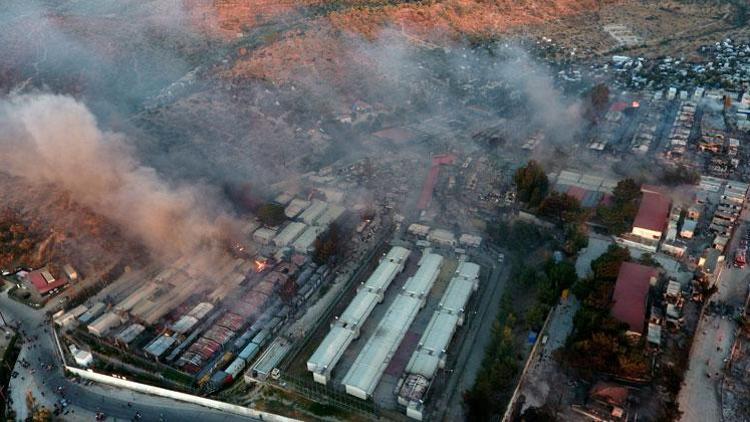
(39, 349)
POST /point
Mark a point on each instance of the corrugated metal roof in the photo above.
(435, 340)
(630, 293)
(386, 271)
(421, 282)
(201, 310)
(313, 212)
(289, 233)
(160, 345)
(367, 369)
(460, 288)
(330, 350)
(359, 308)
(129, 334)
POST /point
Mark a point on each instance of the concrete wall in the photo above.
(176, 395)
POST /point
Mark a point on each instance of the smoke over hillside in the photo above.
(49, 139)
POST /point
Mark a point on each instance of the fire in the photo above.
(636, 104)
(260, 265)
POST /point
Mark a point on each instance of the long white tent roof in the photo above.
(369, 366)
(329, 351)
(391, 265)
(343, 332)
(290, 232)
(435, 340)
(422, 281)
(359, 309)
(460, 287)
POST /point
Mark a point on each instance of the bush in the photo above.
(271, 214)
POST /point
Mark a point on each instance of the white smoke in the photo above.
(54, 140)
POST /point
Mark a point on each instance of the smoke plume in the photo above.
(54, 140)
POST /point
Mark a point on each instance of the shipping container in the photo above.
(249, 352)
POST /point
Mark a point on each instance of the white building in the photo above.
(296, 207)
(346, 328)
(368, 368)
(431, 351)
(104, 323)
(289, 233)
(83, 358)
(364, 375)
(421, 282)
(264, 235)
(313, 212)
(442, 237)
(306, 241)
(392, 264)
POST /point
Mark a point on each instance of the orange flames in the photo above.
(260, 265)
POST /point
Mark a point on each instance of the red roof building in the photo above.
(425, 197)
(652, 216)
(43, 281)
(631, 295)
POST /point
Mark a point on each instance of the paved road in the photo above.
(543, 376)
(39, 348)
(700, 397)
(469, 360)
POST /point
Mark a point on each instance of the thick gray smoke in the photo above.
(52, 139)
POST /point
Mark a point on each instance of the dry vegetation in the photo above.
(47, 227)
(665, 27)
(318, 51)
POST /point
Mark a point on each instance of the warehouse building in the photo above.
(306, 241)
(370, 364)
(159, 346)
(653, 213)
(104, 323)
(330, 215)
(431, 351)
(345, 328)
(94, 311)
(71, 316)
(429, 268)
(296, 207)
(368, 368)
(264, 235)
(392, 264)
(129, 334)
(313, 212)
(290, 232)
(630, 296)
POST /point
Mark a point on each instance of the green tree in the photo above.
(561, 207)
(575, 238)
(620, 215)
(328, 245)
(627, 190)
(531, 183)
(271, 214)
